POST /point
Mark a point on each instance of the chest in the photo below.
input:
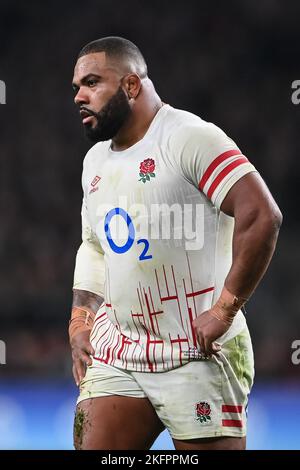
(145, 189)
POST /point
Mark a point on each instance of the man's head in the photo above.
(107, 80)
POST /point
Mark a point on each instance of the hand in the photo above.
(81, 352)
(208, 329)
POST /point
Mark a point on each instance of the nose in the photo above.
(81, 97)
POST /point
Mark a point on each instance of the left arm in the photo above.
(257, 222)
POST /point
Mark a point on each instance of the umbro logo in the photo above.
(94, 183)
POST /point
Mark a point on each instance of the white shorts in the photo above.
(206, 398)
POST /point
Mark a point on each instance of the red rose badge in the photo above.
(203, 411)
(147, 168)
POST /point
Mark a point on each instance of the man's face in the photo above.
(104, 106)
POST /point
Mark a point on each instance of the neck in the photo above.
(143, 111)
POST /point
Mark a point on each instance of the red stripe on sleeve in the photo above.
(232, 408)
(224, 173)
(232, 423)
(215, 163)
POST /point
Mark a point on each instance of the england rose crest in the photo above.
(203, 412)
(147, 168)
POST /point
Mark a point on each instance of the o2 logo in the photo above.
(131, 234)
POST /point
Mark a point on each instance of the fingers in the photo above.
(80, 368)
(210, 348)
(75, 375)
(207, 346)
(207, 349)
(86, 358)
(90, 350)
(82, 351)
(81, 359)
(201, 341)
(207, 330)
(82, 345)
(86, 354)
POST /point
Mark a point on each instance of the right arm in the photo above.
(88, 295)
(80, 341)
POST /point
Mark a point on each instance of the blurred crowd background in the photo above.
(232, 63)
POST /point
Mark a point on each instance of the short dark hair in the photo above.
(118, 48)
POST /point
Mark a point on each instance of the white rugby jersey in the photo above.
(155, 244)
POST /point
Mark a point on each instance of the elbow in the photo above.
(265, 220)
(276, 217)
(279, 218)
(263, 216)
(272, 219)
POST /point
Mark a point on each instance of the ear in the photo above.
(133, 85)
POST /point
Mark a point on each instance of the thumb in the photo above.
(91, 350)
(216, 347)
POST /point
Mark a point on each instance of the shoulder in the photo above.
(186, 128)
(93, 157)
(95, 153)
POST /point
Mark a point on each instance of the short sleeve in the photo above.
(90, 266)
(209, 159)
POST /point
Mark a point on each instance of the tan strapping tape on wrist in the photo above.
(227, 306)
(82, 319)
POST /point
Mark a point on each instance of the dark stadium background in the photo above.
(232, 63)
